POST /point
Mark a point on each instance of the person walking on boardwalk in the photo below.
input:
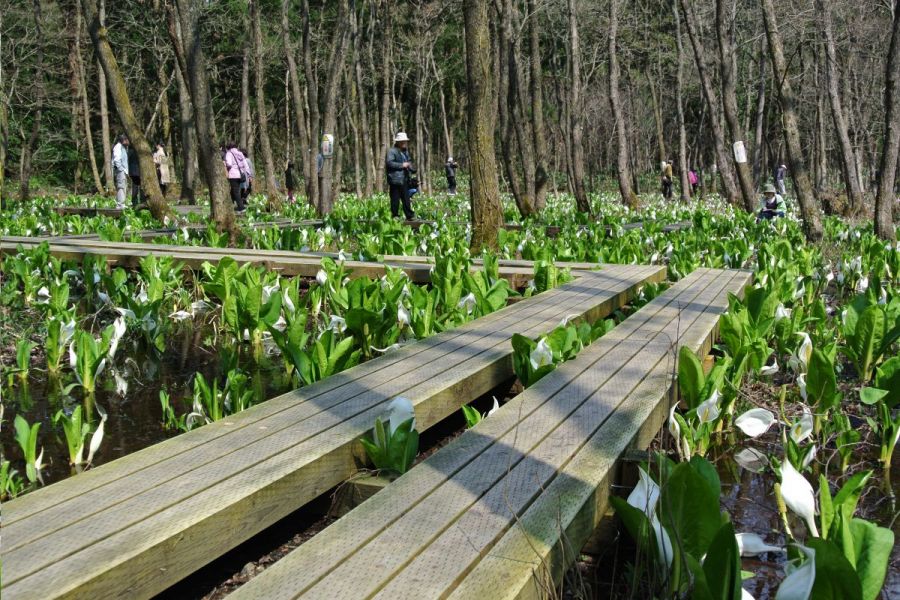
(237, 172)
(398, 167)
(771, 205)
(694, 181)
(450, 170)
(162, 168)
(120, 168)
(289, 181)
(780, 174)
(134, 172)
(247, 184)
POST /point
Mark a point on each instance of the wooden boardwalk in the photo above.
(505, 508)
(306, 264)
(86, 211)
(287, 263)
(131, 528)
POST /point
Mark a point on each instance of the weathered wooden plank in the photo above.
(247, 489)
(548, 536)
(613, 281)
(88, 211)
(287, 263)
(343, 539)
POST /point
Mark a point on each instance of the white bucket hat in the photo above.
(401, 137)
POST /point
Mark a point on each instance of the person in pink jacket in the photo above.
(237, 172)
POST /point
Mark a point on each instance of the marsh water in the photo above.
(134, 420)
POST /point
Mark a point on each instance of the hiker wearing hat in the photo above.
(450, 169)
(780, 174)
(397, 167)
(772, 205)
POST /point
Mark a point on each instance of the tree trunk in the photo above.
(104, 114)
(759, 138)
(657, 118)
(312, 92)
(821, 158)
(185, 33)
(296, 93)
(484, 192)
(385, 141)
(723, 159)
(39, 93)
(809, 208)
(149, 184)
(615, 101)
(576, 109)
(244, 135)
(188, 141)
(329, 118)
(724, 30)
(848, 164)
(270, 184)
(538, 134)
(683, 165)
(885, 199)
(364, 138)
(85, 107)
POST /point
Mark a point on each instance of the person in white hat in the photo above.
(397, 167)
(771, 205)
(450, 169)
(780, 174)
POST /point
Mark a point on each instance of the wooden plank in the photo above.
(192, 518)
(614, 280)
(88, 211)
(549, 534)
(345, 537)
(287, 263)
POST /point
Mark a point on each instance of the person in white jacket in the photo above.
(120, 168)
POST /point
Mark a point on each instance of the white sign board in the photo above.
(327, 145)
(740, 153)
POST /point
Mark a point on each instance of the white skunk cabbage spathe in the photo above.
(755, 422)
(542, 355)
(399, 410)
(645, 494)
(798, 496)
(708, 411)
(751, 544)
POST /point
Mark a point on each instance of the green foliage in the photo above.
(392, 451)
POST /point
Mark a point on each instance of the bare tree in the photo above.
(39, 97)
(623, 163)
(727, 65)
(723, 159)
(335, 72)
(185, 34)
(809, 207)
(119, 91)
(679, 105)
(273, 197)
(576, 108)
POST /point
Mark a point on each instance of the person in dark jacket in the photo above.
(289, 181)
(780, 174)
(397, 167)
(134, 171)
(450, 170)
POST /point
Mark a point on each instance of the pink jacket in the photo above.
(235, 163)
